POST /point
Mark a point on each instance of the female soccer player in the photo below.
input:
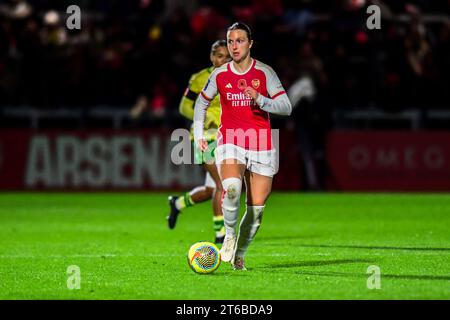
(249, 90)
(212, 187)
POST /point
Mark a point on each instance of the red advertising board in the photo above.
(389, 160)
(109, 160)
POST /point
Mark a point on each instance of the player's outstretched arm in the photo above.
(279, 105)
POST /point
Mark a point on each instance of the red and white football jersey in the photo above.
(243, 123)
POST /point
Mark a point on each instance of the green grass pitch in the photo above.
(310, 246)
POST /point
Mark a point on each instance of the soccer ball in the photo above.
(204, 257)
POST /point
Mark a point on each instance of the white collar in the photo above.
(233, 69)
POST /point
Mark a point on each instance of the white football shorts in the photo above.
(261, 162)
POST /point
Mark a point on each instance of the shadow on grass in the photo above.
(372, 247)
(316, 263)
(230, 273)
(345, 246)
(363, 275)
(303, 236)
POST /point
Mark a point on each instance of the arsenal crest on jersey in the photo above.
(255, 83)
(242, 84)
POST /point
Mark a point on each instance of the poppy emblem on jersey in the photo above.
(255, 83)
(242, 84)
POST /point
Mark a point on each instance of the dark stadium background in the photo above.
(374, 113)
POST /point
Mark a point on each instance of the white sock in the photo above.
(230, 203)
(249, 226)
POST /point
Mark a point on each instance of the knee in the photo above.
(232, 188)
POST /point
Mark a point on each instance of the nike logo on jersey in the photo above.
(229, 86)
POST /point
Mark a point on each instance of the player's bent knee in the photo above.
(232, 188)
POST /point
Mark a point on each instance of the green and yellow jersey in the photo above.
(212, 119)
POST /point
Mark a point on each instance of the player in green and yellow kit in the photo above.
(212, 189)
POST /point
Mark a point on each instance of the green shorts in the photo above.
(207, 156)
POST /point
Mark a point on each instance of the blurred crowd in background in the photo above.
(131, 60)
(133, 48)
